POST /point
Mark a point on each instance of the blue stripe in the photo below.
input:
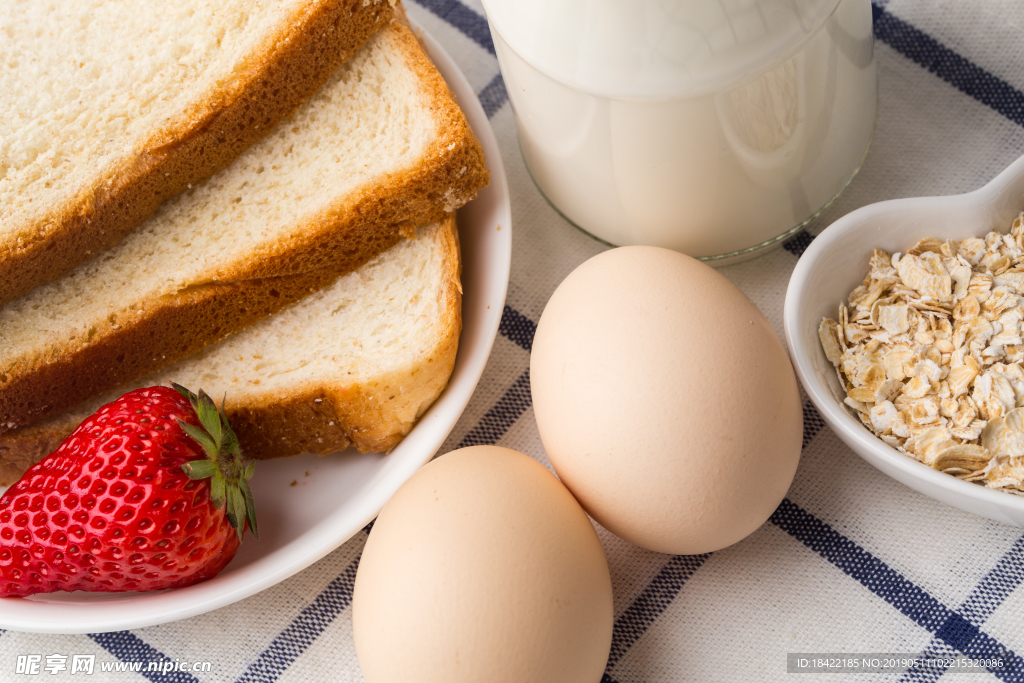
(997, 585)
(517, 328)
(650, 604)
(961, 73)
(861, 565)
(958, 71)
(912, 601)
(303, 630)
(813, 424)
(662, 590)
(301, 633)
(986, 597)
(472, 25)
(128, 647)
(949, 627)
(503, 415)
(294, 640)
(494, 96)
(953, 629)
(799, 243)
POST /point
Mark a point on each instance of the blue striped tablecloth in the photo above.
(850, 562)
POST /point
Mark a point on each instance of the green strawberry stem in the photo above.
(229, 473)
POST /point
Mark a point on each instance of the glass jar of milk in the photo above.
(713, 127)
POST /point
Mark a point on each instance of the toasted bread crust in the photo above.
(286, 70)
(374, 416)
(313, 418)
(339, 240)
(27, 447)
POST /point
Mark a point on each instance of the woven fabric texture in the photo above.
(851, 561)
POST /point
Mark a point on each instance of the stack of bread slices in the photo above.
(251, 198)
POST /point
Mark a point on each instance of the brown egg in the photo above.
(482, 567)
(665, 400)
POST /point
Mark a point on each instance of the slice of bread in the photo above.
(356, 363)
(383, 147)
(109, 108)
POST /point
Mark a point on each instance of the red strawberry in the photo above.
(150, 492)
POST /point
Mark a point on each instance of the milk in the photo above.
(715, 154)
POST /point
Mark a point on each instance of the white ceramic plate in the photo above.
(836, 262)
(336, 495)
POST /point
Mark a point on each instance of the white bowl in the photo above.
(836, 262)
(337, 495)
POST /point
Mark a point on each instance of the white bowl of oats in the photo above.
(904, 324)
